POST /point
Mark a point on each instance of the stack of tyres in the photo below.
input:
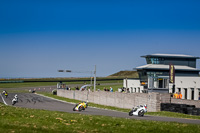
(196, 111)
(172, 108)
(190, 109)
(180, 108)
(164, 107)
(183, 108)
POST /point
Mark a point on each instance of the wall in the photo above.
(125, 100)
(116, 99)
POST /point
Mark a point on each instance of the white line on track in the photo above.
(3, 99)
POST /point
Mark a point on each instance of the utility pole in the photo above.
(95, 78)
(80, 72)
(91, 78)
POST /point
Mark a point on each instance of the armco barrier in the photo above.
(117, 99)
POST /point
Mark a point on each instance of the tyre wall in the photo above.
(180, 108)
(185, 101)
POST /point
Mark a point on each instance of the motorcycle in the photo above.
(80, 106)
(139, 110)
(15, 100)
(5, 94)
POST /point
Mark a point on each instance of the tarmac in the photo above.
(36, 101)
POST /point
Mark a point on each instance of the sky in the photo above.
(39, 37)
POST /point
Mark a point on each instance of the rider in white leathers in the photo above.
(15, 99)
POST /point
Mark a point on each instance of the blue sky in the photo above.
(39, 37)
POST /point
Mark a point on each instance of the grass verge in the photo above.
(161, 113)
(116, 85)
(23, 120)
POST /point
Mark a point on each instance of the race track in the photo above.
(35, 101)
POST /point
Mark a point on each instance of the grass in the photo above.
(26, 84)
(115, 87)
(23, 120)
(161, 113)
(65, 79)
(40, 84)
(172, 114)
(125, 74)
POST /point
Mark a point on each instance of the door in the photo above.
(160, 83)
(185, 93)
(192, 93)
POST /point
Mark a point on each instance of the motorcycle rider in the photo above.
(84, 104)
(138, 110)
(15, 96)
(5, 93)
(81, 105)
(15, 99)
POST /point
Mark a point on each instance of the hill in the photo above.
(129, 74)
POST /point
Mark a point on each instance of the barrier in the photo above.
(117, 99)
(180, 108)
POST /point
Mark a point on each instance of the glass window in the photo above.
(154, 60)
(148, 61)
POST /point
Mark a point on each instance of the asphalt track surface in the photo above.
(35, 101)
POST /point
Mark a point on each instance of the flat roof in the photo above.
(171, 56)
(166, 67)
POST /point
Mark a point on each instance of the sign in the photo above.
(171, 74)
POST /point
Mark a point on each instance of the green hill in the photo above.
(129, 74)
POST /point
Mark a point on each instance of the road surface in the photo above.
(35, 101)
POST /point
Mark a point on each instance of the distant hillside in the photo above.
(129, 74)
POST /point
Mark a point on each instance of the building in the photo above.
(154, 76)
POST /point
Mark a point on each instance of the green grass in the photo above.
(172, 114)
(125, 74)
(23, 120)
(87, 79)
(115, 87)
(26, 84)
(161, 113)
(40, 84)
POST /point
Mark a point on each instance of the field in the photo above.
(15, 119)
(161, 113)
(100, 84)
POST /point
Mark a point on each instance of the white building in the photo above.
(154, 77)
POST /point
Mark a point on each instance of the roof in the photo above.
(171, 56)
(166, 67)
